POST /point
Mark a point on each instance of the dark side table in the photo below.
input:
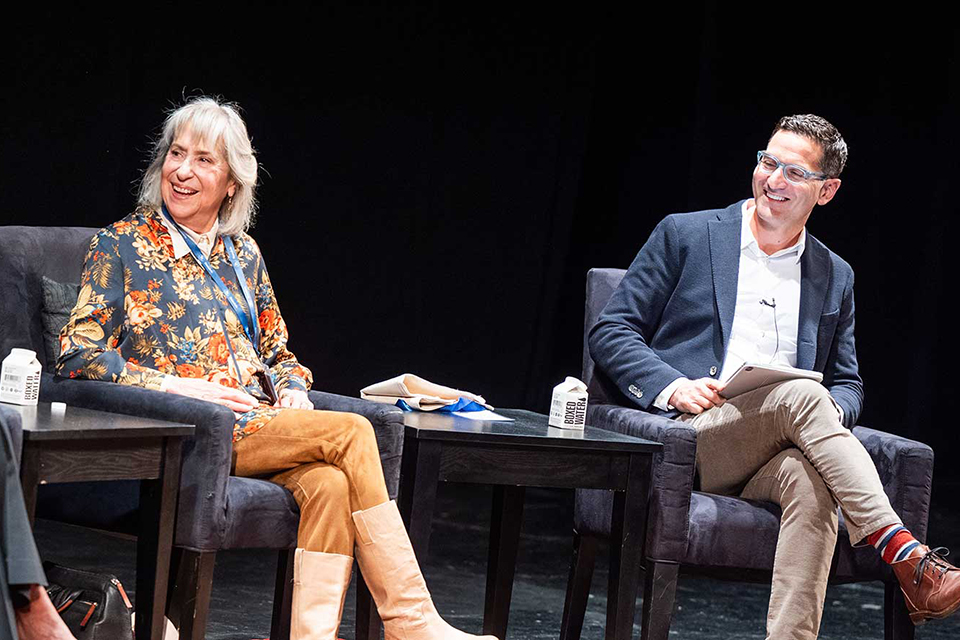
(83, 445)
(511, 456)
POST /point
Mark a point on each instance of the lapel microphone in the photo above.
(772, 303)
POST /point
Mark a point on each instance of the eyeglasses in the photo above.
(794, 174)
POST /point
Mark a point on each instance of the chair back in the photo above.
(601, 283)
(26, 255)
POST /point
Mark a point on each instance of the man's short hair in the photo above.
(832, 145)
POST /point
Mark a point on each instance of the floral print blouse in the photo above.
(143, 315)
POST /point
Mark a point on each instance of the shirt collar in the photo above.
(749, 243)
(206, 241)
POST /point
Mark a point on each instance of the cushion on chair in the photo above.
(260, 515)
(59, 299)
(720, 524)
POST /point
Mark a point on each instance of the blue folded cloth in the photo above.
(462, 404)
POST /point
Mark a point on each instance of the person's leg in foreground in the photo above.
(21, 575)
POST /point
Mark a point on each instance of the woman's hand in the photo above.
(294, 399)
(233, 399)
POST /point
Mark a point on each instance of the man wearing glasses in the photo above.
(712, 290)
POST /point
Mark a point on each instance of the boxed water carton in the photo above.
(568, 410)
(20, 377)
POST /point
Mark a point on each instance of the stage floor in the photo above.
(243, 590)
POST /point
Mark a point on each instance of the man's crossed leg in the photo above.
(785, 443)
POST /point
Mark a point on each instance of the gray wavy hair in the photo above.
(220, 124)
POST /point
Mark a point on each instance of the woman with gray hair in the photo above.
(175, 297)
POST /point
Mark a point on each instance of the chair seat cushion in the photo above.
(759, 522)
(737, 520)
(260, 514)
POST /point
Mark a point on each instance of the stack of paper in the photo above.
(421, 394)
(752, 376)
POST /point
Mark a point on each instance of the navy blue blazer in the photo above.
(671, 315)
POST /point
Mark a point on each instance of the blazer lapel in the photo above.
(725, 264)
(814, 279)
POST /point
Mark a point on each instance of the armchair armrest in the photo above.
(906, 472)
(201, 509)
(376, 412)
(387, 421)
(674, 471)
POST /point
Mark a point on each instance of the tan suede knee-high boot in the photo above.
(320, 583)
(391, 571)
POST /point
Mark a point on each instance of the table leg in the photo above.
(191, 593)
(158, 503)
(419, 477)
(283, 595)
(628, 530)
(578, 585)
(505, 522)
(659, 598)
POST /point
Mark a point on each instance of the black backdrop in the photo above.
(437, 178)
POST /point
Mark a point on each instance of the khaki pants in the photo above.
(329, 461)
(785, 443)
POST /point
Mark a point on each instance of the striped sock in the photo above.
(894, 543)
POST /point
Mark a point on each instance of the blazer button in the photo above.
(635, 391)
(713, 371)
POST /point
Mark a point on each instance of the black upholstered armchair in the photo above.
(39, 268)
(721, 536)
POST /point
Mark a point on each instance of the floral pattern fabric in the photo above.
(142, 315)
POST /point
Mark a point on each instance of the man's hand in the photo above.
(696, 396)
(294, 399)
(233, 399)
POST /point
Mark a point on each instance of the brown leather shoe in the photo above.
(930, 584)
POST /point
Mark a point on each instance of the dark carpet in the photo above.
(243, 584)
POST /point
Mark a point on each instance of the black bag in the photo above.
(93, 605)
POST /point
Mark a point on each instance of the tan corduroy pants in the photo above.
(785, 443)
(330, 462)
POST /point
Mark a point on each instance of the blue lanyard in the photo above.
(248, 317)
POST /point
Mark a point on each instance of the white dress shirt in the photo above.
(767, 314)
(205, 241)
